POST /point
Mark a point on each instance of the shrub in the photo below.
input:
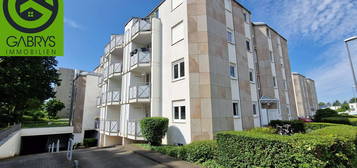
(297, 126)
(316, 125)
(340, 120)
(323, 113)
(154, 129)
(90, 142)
(52, 107)
(326, 147)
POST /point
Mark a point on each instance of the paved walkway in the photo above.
(116, 157)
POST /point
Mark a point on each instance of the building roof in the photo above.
(264, 24)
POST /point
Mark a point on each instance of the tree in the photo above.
(344, 107)
(353, 100)
(322, 104)
(323, 113)
(336, 103)
(23, 79)
(52, 107)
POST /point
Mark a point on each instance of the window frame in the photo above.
(251, 76)
(248, 45)
(172, 28)
(180, 105)
(235, 71)
(232, 41)
(274, 82)
(179, 75)
(238, 114)
(254, 109)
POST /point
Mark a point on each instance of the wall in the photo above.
(12, 146)
(91, 112)
(64, 91)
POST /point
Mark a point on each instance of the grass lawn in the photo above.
(44, 122)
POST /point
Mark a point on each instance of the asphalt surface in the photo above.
(116, 157)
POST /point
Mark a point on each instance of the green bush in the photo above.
(90, 142)
(297, 126)
(317, 125)
(197, 152)
(326, 147)
(340, 120)
(323, 113)
(154, 129)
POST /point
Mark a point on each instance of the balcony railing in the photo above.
(141, 25)
(113, 97)
(140, 57)
(140, 91)
(133, 128)
(99, 101)
(115, 68)
(116, 41)
(103, 99)
(110, 126)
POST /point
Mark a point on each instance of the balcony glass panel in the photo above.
(140, 91)
(140, 25)
(140, 57)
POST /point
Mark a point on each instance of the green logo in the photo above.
(31, 28)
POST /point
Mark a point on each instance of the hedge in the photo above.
(323, 113)
(317, 125)
(199, 152)
(154, 129)
(297, 126)
(341, 120)
(327, 147)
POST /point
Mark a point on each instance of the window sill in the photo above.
(178, 79)
(251, 82)
(179, 122)
(234, 78)
(236, 117)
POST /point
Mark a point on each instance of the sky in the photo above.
(315, 31)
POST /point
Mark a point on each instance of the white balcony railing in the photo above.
(133, 128)
(141, 25)
(110, 126)
(140, 57)
(116, 41)
(113, 97)
(115, 68)
(139, 91)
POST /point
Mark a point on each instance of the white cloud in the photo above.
(73, 24)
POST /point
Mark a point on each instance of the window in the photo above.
(246, 17)
(177, 33)
(230, 37)
(248, 45)
(268, 32)
(274, 81)
(233, 71)
(271, 56)
(251, 77)
(176, 3)
(236, 109)
(178, 70)
(179, 111)
(254, 109)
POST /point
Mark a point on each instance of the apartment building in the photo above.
(65, 90)
(196, 63)
(85, 114)
(276, 90)
(305, 95)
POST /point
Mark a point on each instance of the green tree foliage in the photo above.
(323, 113)
(322, 104)
(336, 103)
(23, 80)
(52, 107)
(353, 100)
(154, 129)
(344, 107)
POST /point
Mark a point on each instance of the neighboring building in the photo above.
(276, 88)
(194, 62)
(334, 107)
(305, 95)
(64, 91)
(85, 119)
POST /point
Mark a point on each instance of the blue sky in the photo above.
(315, 31)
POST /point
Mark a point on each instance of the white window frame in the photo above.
(251, 71)
(235, 71)
(178, 63)
(180, 23)
(179, 104)
(238, 109)
(232, 40)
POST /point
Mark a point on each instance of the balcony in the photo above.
(100, 81)
(141, 31)
(99, 101)
(115, 69)
(103, 99)
(140, 59)
(105, 74)
(139, 93)
(134, 131)
(115, 43)
(113, 98)
(110, 127)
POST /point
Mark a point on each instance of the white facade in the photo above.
(149, 71)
